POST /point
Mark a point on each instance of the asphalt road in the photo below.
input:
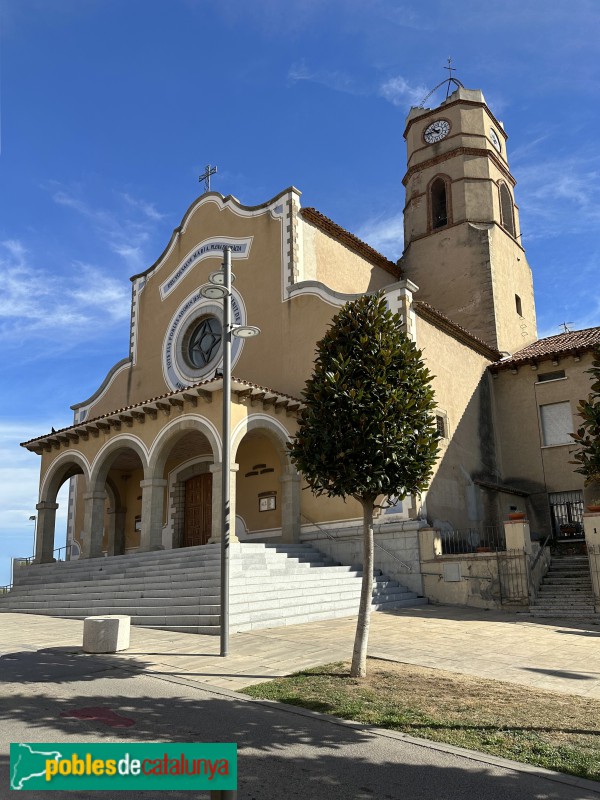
(284, 753)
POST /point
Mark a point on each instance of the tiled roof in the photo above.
(443, 322)
(563, 344)
(235, 382)
(351, 241)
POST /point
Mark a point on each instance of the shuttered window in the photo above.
(557, 423)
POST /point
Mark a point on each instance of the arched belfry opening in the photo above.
(438, 203)
(506, 210)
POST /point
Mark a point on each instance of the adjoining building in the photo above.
(144, 452)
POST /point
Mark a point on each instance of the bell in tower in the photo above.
(462, 243)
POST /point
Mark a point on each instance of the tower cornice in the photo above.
(460, 151)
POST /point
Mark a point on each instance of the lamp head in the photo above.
(213, 292)
(218, 277)
(245, 331)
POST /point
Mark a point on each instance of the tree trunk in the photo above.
(359, 656)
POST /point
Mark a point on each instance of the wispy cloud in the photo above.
(126, 229)
(385, 234)
(39, 303)
(337, 80)
(398, 91)
(553, 191)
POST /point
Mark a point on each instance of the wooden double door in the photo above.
(197, 515)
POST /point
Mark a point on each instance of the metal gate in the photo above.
(513, 576)
(566, 509)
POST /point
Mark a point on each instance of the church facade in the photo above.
(143, 455)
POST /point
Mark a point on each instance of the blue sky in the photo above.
(111, 108)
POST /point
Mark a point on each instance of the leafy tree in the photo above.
(367, 428)
(587, 435)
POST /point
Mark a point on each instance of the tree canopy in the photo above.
(367, 428)
(587, 435)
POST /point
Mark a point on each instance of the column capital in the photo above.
(149, 482)
(289, 473)
(217, 466)
(45, 505)
(94, 496)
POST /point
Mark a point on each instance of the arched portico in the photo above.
(118, 470)
(182, 461)
(268, 485)
(62, 469)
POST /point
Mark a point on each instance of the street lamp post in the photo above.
(220, 288)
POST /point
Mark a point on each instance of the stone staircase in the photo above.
(566, 590)
(178, 590)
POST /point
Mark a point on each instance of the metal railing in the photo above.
(489, 539)
(20, 561)
(339, 538)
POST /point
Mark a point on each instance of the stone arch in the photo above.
(107, 454)
(171, 433)
(124, 453)
(177, 437)
(268, 426)
(507, 213)
(287, 504)
(62, 469)
(438, 200)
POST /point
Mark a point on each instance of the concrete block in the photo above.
(106, 634)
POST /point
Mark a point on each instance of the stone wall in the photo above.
(396, 548)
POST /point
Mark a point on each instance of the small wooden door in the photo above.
(197, 516)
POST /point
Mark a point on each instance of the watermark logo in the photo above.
(118, 767)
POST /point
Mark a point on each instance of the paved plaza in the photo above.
(557, 655)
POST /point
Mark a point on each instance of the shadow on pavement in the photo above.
(62, 665)
(329, 776)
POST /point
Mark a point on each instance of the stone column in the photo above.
(44, 532)
(430, 543)
(116, 531)
(290, 504)
(517, 535)
(217, 519)
(93, 524)
(153, 495)
(591, 526)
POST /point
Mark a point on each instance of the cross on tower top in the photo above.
(452, 83)
(208, 171)
(450, 68)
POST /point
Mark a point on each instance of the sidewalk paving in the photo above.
(552, 654)
(175, 687)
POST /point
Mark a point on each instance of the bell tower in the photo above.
(462, 241)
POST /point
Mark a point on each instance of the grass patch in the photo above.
(547, 729)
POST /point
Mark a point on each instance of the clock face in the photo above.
(495, 140)
(437, 131)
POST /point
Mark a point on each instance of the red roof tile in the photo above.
(123, 410)
(443, 322)
(563, 344)
(351, 241)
